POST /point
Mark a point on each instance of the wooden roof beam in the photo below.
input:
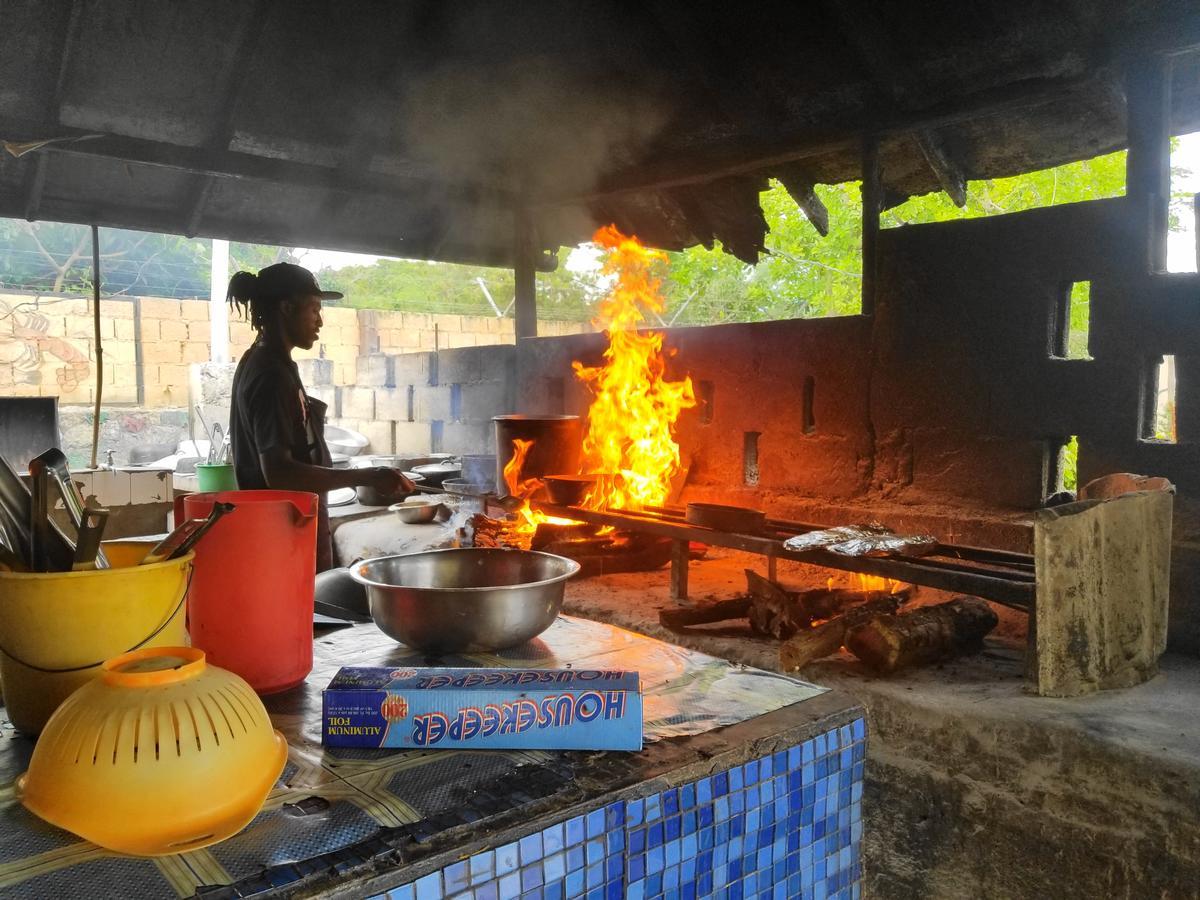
(235, 81)
(949, 175)
(235, 165)
(36, 181)
(802, 190)
(883, 121)
(861, 27)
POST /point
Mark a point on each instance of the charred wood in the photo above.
(828, 637)
(928, 635)
(721, 611)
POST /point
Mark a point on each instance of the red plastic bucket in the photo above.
(250, 608)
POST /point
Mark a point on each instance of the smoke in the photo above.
(532, 126)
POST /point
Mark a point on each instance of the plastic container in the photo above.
(251, 603)
(216, 477)
(70, 622)
(177, 755)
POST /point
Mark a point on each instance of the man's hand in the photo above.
(387, 481)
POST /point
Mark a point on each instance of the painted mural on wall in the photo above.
(27, 345)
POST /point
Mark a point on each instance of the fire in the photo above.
(875, 583)
(528, 518)
(630, 441)
(631, 422)
(870, 583)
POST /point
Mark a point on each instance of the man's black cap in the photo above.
(288, 279)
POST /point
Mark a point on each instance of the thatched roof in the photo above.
(415, 128)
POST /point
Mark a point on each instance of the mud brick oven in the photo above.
(495, 134)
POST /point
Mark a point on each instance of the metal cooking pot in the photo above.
(557, 442)
(368, 496)
(436, 473)
(480, 470)
(470, 599)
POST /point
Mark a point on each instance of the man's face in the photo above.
(302, 321)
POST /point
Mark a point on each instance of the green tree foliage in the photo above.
(805, 275)
(415, 286)
(56, 258)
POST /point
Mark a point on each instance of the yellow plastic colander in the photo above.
(161, 754)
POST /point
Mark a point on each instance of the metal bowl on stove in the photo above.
(469, 599)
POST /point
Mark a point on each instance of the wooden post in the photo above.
(1148, 165)
(872, 201)
(525, 274)
(99, 350)
(679, 571)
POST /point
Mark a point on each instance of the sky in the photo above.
(1181, 245)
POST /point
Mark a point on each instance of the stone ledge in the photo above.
(976, 788)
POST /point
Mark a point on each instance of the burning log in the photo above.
(892, 642)
(484, 531)
(773, 610)
(828, 637)
(549, 533)
(781, 613)
(721, 611)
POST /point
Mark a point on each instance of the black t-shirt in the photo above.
(268, 409)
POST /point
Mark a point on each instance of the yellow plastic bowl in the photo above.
(161, 754)
(58, 627)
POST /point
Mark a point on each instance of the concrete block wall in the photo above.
(437, 401)
(947, 401)
(47, 345)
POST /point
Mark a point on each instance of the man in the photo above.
(276, 429)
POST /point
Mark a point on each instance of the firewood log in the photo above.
(825, 603)
(773, 610)
(721, 611)
(931, 634)
(826, 638)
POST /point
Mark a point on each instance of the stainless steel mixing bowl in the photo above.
(449, 601)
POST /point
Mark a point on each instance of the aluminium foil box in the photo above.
(483, 709)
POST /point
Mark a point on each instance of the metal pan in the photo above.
(733, 519)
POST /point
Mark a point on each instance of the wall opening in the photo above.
(1158, 402)
(456, 403)
(1071, 321)
(808, 422)
(1183, 236)
(412, 403)
(1064, 474)
(705, 393)
(750, 457)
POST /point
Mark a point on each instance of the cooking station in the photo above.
(797, 497)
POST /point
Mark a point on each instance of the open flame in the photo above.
(631, 422)
(871, 583)
(528, 518)
(630, 441)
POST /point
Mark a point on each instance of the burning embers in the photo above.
(630, 442)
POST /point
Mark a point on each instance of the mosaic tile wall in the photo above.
(783, 826)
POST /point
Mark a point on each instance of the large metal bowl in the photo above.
(450, 601)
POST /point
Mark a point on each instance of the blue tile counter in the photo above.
(784, 825)
(749, 786)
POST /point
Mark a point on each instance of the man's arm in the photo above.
(285, 473)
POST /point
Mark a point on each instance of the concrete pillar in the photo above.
(525, 274)
(218, 313)
(1148, 165)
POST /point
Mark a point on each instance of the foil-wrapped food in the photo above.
(869, 539)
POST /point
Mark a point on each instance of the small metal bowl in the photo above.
(568, 490)
(415, 512)
(468, 599)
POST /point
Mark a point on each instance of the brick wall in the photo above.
(46, 344)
